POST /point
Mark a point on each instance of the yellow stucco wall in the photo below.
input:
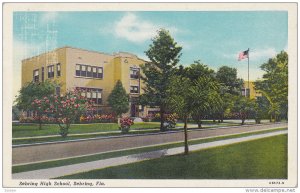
(78, 56)
(253, 92)
(115, 67)
(45, 60)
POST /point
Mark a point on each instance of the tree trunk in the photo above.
(199, 122)
(40, 124)
(271, 117)
(243, 121)
(64, 130)
(222, 117)
(119, 119)
(162, 112)
(186, 146)
(40, 121)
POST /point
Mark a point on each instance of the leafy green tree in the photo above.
(243, 108)
(187, 98)
(261, 108)
(230, 86)
(34, 90)
(118, 100)
(275, 84)
(15, 113)
(205, 98)
(228, 78)
(164, 54)
(203, 77)
(180, 101)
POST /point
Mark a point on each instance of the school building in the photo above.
(250, 91)
(96, 73)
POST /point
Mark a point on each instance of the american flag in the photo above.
(243, 55)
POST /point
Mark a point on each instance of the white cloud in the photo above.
(136, 30)
(48, 17)
(262, 54)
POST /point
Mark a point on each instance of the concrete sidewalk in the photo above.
(100, 164)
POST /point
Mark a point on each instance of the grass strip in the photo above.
(68, 138)
(69, 161)
(31, 130)
(258, 159)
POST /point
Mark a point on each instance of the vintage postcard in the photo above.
(100, 95)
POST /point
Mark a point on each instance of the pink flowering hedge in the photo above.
(98, 118)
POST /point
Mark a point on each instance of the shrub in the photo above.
(125, 124)
(171, 120)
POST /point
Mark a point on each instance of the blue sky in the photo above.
(215, 38)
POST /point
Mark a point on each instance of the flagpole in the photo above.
(248, 73)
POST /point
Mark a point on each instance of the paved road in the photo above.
(100, 164)
(22, 155)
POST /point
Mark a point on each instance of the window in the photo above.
(94, 72)
(43, 77)
(77, 69)
(99, 96)
(58, 70)
(51, 71)
(83, 70)
(89, 71)
(134, 73)
(93, 94)
(134, 89)
(246, 92)
(36, 75)
(57, 91)
(100, 72)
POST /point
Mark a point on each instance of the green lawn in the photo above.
(258, 159)
(31, 130)
(50, 164)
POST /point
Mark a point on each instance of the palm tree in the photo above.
(274, 108)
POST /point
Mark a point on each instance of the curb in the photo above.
(133, 135)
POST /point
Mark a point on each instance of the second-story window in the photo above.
(51, 71)
(36, 75)
(58, 70)
(94, 72)
(134, 73)
(77, 69)
(89, 71)
(83, 70)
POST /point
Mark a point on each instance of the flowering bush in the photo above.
(125, 124)
(97, 118)
(105, 118)
(171, 120)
